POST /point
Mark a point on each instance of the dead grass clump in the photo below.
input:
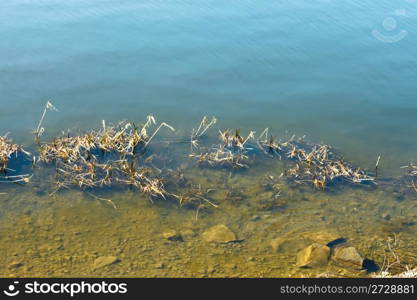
(411, 175)
(316, 164)
(231, 151)
(319, 165)
(8, 151)
(392, 266)
(113, 155)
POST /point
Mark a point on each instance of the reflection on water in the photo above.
(299, 67)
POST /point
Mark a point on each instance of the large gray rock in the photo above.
(348, 257)
(219, 234)
(315, 255)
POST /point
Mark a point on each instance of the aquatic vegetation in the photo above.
(409, 273)
(8, 151)
(230, 152)
(221, 156)
(321, 166)
(119, 155)
(411, 169)
(392, 266)
(124, 139)
(111, 155)
(195, 196)
(196, 134)
(316, 164)
(411, 175)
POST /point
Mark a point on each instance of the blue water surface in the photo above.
(341, 72)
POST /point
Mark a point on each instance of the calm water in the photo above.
(307, 67)
(341, 72)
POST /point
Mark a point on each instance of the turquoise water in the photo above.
(306, 67)
(340, 72)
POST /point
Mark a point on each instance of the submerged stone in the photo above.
(103, 261)
(219, 234)
(315, 255)
(289, 245)
(294, 241)
(172, 235)
(348, 257)
(15, 265)
(322, 236)
(187, 234)
(159, 266)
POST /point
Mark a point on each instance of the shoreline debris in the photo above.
(111, 155)
(39, 129)
(230, 152)
(411, 175)
(118, 155)
(8, 150)
(316, 164)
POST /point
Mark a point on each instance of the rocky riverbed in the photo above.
(255, 231)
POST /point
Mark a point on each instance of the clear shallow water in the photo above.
(303, 67)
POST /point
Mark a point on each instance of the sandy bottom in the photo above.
(70, 233)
